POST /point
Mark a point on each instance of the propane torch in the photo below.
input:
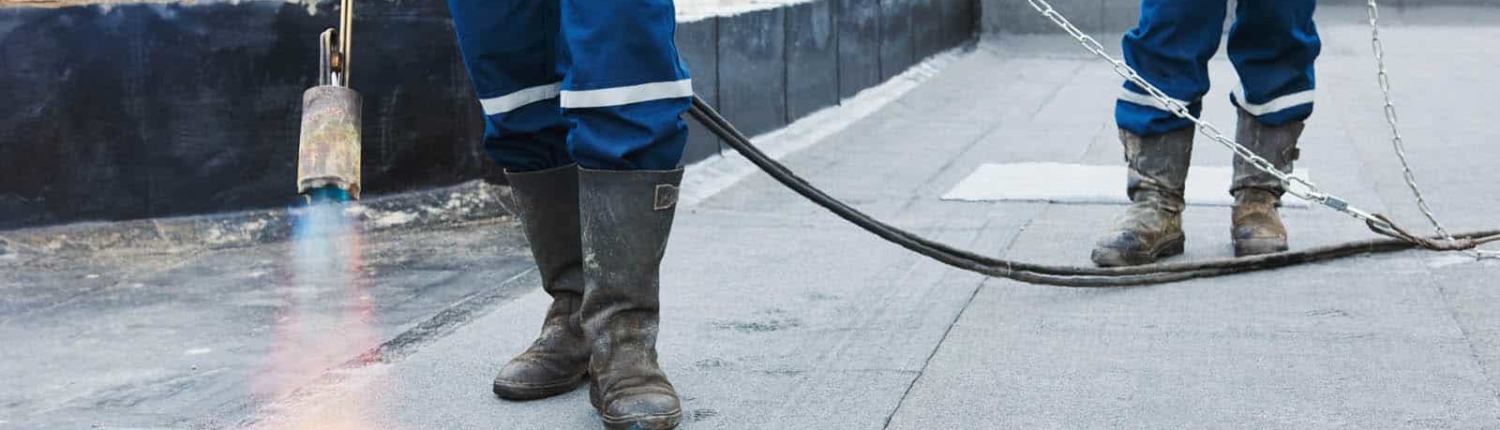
(328, 160)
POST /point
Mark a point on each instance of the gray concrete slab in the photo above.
(897, 43)
(812, 58)
(754, 46)
(930, 28)
(859, 45)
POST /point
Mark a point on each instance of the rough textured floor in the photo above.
(778, 315)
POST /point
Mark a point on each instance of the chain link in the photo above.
(1397, 143)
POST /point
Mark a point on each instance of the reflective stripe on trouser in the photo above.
(563, 81)
(1273, 44)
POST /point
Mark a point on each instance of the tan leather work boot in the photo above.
(1256, 223)
(1151, 228)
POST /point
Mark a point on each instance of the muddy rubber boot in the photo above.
(557, 362)
(626, 218)
(1151, 228)
(1257, 227)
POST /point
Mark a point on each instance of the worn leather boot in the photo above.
(556, 363)
(1151, 228)
(1257, 227)
(626, 218)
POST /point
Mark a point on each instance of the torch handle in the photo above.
(346, 31)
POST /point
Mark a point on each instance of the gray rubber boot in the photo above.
(1151, 228)
(627, 217)
(547, 202)
(1256, 222)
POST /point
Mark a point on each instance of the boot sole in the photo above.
(665, 421)
(1249, 247)
(650, 422)
(509, 391)
(1105, 257)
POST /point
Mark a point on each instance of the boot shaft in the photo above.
(626, 217)
(1158, 167)
(1277, 144)
(547, 203)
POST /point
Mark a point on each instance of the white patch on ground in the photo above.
(458, 205)
(91, 276)
(255, 226)
(234, 233)
(355, 210)
(1085, 184)
(197, 351)
(708, 177)
(379, 219)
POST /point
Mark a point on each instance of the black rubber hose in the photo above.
(1065, 276)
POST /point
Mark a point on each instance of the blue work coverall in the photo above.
(1273, 44)
(596, 82)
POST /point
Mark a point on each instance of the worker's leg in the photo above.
(511, 48)
(1273, 45)
(624, 94)
(1170, 49)
(626, 89)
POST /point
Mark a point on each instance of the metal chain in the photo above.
(1295, 185)
(1397, 143)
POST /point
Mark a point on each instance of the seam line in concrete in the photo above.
(981, 137)
(1057, 89)
(1468, 339)
(928, 361)
(948, 331)
(1089, 149)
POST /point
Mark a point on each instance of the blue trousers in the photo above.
(596, 82)
(1273, 44)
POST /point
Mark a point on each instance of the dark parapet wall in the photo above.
(145, 110)
(131, 110)
(812, 60)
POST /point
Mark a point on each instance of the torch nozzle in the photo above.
(329, 154)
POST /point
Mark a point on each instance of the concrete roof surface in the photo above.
(779, 315)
